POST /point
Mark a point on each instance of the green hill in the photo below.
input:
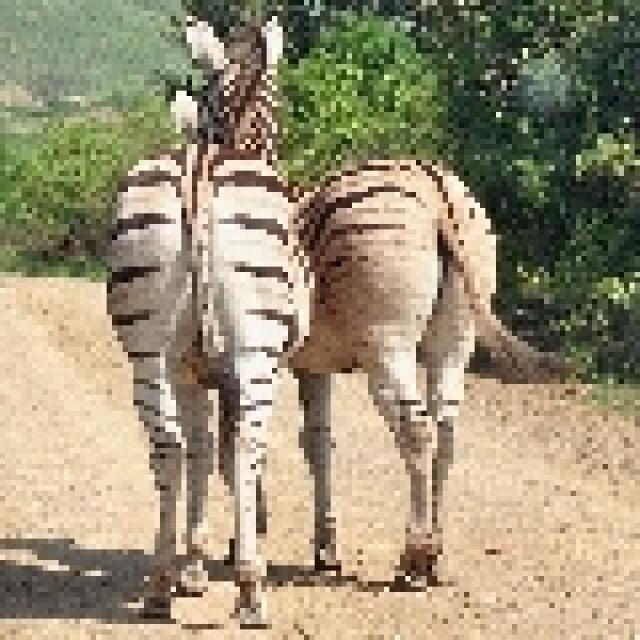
(87, 51)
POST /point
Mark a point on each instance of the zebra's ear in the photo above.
(184, 110)
(274, 37)
(205, 46)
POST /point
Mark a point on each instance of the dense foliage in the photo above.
(58, 189)
(362, 91)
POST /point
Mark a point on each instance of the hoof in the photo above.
(251, 619)
(157, 608)
(418, 569)
(187, 589)
(250, 608)
(250, 614)
(193, 580)
(404, 581)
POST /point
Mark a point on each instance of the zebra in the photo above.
(208, 290)
(404, 262)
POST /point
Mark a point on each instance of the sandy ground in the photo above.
(543, 524)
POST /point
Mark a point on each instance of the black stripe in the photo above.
(272, 314)
(435, 175)
(446, 257)
(151, 178)
(139, 221)
(157, 411)
(338, 262)
(129, 274)
(144, 354)
(289, 320)
(260, 381)
(268, 225)
(154, 386)
(359, 229)
(347, 202)
(263, 271)
(245, 178)
(255, 404)
(230, 154)
(286, 319)
(128, 319)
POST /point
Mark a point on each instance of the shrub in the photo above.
(64, 185)
(363, 90)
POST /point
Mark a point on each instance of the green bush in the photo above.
(62, 188)
(363, 90)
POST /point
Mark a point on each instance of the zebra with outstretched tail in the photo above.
(207, 289)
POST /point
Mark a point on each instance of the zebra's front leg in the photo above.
(155, 397)
(315, 398)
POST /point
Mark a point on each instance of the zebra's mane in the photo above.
(236, 109)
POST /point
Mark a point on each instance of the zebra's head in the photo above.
(237, 107)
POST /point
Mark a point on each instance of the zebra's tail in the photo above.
(465, 227)
(519, 361)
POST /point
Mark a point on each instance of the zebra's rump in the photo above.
(388, 213)
(376, 235)
(370, 239)
(147, 257)
(253, 273)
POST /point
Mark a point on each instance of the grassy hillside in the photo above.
(85, 50)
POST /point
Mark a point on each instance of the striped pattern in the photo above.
(248, 87)
(148, 254)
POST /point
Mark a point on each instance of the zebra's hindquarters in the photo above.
(257, 285)
(372, 244)
(148, 259)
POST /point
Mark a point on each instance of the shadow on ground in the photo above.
(71, 582)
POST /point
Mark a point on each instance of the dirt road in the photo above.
(543, 524)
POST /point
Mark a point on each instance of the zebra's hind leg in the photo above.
(315, 398)
(229, 403)
(247, 402)
(154, 395)
(393, 386)
(193, 405)
(445, 351)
